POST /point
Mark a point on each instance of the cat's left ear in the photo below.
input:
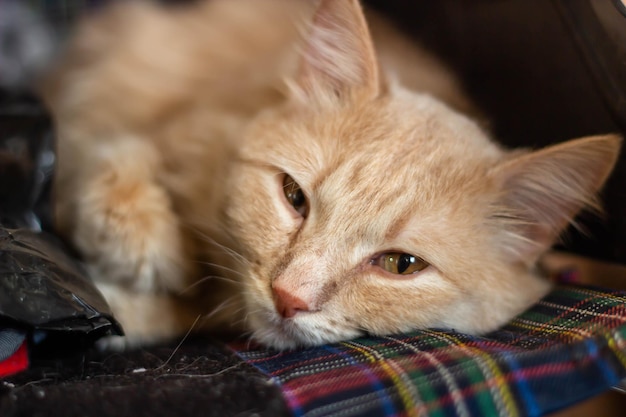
(542, 191)
(338, 55)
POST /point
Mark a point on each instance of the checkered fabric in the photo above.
(566, 348)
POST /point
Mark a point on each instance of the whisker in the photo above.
(221, 307)
(225, 268)
(251, 339)
(223, 248)
(239, 310)
(179, 344)
(246, 334)
(245, 318)
(208, 278)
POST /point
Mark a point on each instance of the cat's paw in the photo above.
(146, 318)
(113, 344)
(129, 235)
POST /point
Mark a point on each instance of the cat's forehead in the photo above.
(407, 139)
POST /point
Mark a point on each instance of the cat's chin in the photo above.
(301, 331)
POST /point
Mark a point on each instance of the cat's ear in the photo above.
(542, 191)
(338, 55)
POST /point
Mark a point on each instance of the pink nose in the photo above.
(288, 304)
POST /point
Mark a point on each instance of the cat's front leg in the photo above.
(125, 226)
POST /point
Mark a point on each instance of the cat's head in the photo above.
(363, 207)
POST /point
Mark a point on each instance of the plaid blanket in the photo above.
(567, 348)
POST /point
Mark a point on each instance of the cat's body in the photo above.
(178, 136)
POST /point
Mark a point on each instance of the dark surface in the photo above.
(202, 378)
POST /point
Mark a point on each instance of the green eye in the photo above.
(400, 263)
(295, 196)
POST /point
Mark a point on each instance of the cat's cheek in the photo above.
(426, 274)
(384, 305)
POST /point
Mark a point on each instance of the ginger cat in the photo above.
(218, 162)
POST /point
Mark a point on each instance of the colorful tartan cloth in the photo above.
(567, 348)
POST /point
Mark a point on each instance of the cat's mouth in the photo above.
(302, 330)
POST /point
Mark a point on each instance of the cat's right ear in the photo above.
(338, 57)
(542, 191)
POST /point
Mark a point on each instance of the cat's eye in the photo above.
(295, 196)
(400, 263)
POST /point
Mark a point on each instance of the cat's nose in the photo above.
(287, 304)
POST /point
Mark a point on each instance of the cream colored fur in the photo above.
(176, 127)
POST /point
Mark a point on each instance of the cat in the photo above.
(220, 166)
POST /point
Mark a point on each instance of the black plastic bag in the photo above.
(43, 289)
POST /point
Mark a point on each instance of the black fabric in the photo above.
(200, 378)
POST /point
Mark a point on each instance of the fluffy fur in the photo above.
(176, 129)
